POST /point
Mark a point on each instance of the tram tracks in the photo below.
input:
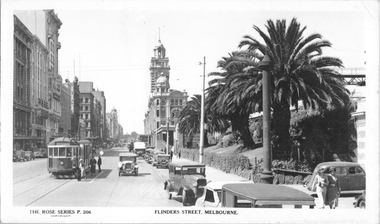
(22, 180)
(42, 196)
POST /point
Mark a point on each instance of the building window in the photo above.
(180, 102)
(86, 108)
(158, 124)
(176, 102)
(157, 102)
(172, 102)
(157, 113)
(86, 100)
(86, 116)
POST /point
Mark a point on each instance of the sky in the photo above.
(111, 42)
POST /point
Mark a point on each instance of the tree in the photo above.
(226, 99)
(190, 116)
(299, 73)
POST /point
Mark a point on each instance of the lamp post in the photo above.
(265, 65)
(202, 113)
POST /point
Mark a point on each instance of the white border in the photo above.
(142, 215)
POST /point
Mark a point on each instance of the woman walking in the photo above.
(333, 189)
(320, 184)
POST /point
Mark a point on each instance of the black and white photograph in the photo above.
(123, 111)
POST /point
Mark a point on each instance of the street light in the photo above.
(265, 65)
(202, 113)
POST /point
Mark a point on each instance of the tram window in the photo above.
(55, 151)
(69, 151)
(61, 151)
(50, 151)
(75, 151)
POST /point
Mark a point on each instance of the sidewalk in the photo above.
(213, 174)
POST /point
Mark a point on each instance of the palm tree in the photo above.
(190, 116)
(226, 99)
(299, 73)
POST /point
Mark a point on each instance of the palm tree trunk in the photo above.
(240, 125)
(280, 130)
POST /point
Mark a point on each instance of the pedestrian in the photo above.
(78, 172)
(333, 189)
(93, 165)
(320, 183)
(82, 170)
(171, 155)
(179, 154)
(99, 163)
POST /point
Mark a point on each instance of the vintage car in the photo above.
(351, 176)
(146, 155)
(29, 155)
(212, 196)
(161, 160)
(40, 153)
(18, 155)
(153, 156)
(187, 179)
(128, 164)
(252, 195)
(139, 148)
(360, 201)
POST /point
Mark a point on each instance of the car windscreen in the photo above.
(193, 170)
(127, 158)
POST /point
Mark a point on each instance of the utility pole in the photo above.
(201, 143)
(167, 125)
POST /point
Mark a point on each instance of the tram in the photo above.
(64, 155)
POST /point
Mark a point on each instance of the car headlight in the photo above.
(195, 184)
(137, 166)
(62, 163)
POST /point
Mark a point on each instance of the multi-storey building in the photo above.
(74, 107)
(65, 122)
(113, 124)
(45, 24)
(99, 95)
(164, 103)
(23, 45)
(39, 94)
(97, 122)
(86, 103)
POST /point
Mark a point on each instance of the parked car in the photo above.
(360, 201)
(40, 153)
(128, 164)
(212, 196)
(351, 176)
(187, 179)
(29, 155)
(161, 160)
(18, 155)
(251, 195)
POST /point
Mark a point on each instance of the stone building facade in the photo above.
(23, 46)
(164, 103)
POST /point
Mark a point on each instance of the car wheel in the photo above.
(184, 197)
(362, 204)
(169, 195)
